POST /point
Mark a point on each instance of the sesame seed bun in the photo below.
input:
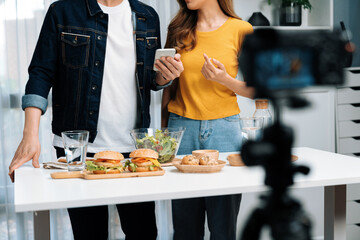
(111, 155)
(143, 152)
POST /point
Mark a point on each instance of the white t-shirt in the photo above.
(117, 114)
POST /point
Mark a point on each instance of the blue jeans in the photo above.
(189, 214)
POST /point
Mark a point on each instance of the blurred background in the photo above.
(20, 23)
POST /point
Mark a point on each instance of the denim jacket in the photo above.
(69, 58)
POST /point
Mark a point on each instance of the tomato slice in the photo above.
(145, 159)
(112, 161)
(139, 160)
(106, 160)
(99, 160)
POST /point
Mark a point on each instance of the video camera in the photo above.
(273, 61)
(277, 64)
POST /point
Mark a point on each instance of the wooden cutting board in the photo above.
(91, 176)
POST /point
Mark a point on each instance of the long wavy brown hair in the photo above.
(183, 26)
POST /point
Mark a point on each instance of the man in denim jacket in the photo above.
(97, 57)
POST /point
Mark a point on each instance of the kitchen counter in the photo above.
(35, 190)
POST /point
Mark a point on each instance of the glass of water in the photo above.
(251, 127)
(75, 144)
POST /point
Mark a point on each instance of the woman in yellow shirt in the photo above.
(208, 35)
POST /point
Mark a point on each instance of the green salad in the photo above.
(162, 142)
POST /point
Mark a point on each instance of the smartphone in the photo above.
(165, 52)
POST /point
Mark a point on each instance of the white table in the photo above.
(36, 191)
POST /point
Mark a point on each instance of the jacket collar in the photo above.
(93, 7)
(136, 6)
(139, 8)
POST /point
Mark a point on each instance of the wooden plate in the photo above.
(235, 159)
(199, 168)
(89, 176)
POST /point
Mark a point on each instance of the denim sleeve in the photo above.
(32, 100)
(44, 65)
(239, 75)
(154, 85)
(159, 87)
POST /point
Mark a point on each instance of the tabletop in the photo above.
(35, 190)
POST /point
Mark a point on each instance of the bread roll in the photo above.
(206, 160)
(190, 160)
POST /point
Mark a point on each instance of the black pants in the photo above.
(138, 220)
(221, 211)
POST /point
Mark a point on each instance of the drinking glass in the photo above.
(251, 127)
(75, 144)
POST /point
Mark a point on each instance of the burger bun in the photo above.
(109, 155)
(144, 152)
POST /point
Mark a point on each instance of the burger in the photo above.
(106, 162)
(143, 160)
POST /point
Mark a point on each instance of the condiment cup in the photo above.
(206, 152)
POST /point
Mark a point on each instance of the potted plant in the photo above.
(290, 11)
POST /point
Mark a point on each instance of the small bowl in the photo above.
(206, 152)
(235, 160)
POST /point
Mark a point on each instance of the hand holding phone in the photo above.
(165, 52)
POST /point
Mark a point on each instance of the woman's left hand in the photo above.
(213, 73)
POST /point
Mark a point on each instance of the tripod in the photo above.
(282, 213)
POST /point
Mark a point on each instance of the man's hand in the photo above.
(169, 68)
(29, 147)
(213, 73)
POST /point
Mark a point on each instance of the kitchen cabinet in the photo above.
(353, 211)
(348, 114)
(348, 141)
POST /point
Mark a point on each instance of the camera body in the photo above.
(273, 61)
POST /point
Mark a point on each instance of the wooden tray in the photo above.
(199, 168)
(235, 159)
(63, 159)
(167, 164)
(89, 176)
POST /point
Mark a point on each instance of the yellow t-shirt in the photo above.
(201, 99)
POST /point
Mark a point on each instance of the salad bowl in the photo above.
(165, 141)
